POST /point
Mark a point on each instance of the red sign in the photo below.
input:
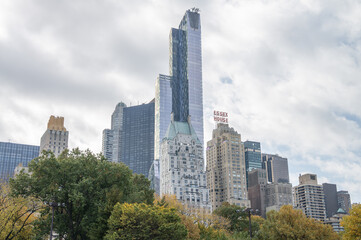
(221, 117)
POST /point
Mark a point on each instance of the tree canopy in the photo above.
(289, 223)
(16, 215)
(85, 188)
(142, 221)
(352, 224)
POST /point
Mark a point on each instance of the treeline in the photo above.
(88, 197)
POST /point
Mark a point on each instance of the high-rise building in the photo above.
(278, 194)
(344, 200)
(257, 182)
(107, 144)
(185, 69)
(309, 197)
(276, 167)
(226, 170)
(55, 137)
(330, 191)
(131, 137)
(111, 142)
(182, 167)
(181, 159)
(117, 127)
(252, 154)
(13, 154)
(137, 137)
(163, 110)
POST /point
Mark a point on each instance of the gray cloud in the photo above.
(287, 73)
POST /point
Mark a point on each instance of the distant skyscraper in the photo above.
(186, 71)
(107, 144)
(309, 197)
(278, 194)
(226, 170)
(117, 127)
(253, 158)
(131, 137)
(55, 137)
(181, 159)
(344, 200)
(257, 181)
(163, 110)
(137, 137)
(276, 167)
(13, 154)
(330, 191)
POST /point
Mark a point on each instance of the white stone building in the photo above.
(182, 170)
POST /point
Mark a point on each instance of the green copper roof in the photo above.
(340, 210)
(185, 128)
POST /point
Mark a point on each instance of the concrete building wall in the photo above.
(309, 197)
(226, 173)
(55, 137)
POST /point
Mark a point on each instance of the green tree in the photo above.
(293, 224)
(85, 187)
(16, 215)
(352, 224)
(236, 215)
(142, 221)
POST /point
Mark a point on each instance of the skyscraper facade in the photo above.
(226, 170)
(13, 154)
(181, 159)
(257, 182)
(182, 166)
(117, 127)
(344, 200)
(309, 197)
(137, 137)
(278, 194)
(107, 144)
(186, 71)
(55, 137)
(330, 191)
(131, 137)
(252, 154)
(162, 111)
(276, 167)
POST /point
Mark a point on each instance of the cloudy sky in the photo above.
(287, 72)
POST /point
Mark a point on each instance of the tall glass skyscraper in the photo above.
(131, 137)
(185, 68)
(137, 138)
(111, 141)
(181, 160)
(13, 154)
(252, 156)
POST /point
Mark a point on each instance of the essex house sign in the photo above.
(220, 117)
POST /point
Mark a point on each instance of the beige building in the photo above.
(55, 137)
(309, 197)
(226, 170)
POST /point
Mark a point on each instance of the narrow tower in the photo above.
(55, 137)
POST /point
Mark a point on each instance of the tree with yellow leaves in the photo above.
(16, 215)
(289, 223)
(352, 224)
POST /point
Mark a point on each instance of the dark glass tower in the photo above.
(185, 67)
(252, 156)
(137, 137)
